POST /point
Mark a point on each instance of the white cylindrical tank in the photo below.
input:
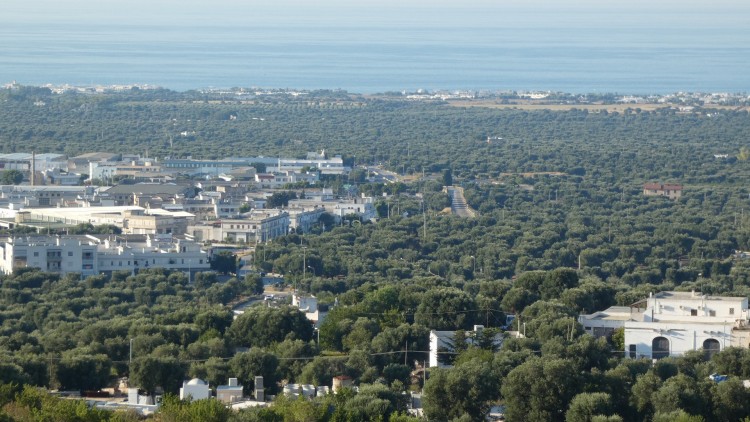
(308, 390)
(292, 390)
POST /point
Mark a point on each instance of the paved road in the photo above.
(382, 175)
(278, 296)
(459, 206)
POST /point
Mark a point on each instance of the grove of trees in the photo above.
(563, 228)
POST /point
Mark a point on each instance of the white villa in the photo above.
(442, 342)
(672, 323)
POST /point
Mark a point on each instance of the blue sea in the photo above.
(585, 46)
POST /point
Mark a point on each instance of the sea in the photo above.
(583, 46)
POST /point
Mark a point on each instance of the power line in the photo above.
(290, 358)
(432, 313)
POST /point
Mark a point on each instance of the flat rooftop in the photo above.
(614, 313)
(695, 296)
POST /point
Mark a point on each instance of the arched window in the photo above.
(659, 348)
(711, 347)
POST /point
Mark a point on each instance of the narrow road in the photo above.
(459, 206)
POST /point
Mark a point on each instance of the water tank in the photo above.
(308, 390)
(292, 390)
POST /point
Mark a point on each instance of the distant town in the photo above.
(507, 97)
(163, 210)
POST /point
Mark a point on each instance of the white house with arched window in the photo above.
(672, 323)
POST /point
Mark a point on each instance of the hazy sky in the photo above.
(363, 12)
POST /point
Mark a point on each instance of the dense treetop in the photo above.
(563, 228)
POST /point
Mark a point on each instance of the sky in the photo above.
(414, 12)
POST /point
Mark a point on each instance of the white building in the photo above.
(131, 219)
(309, 306)
(230, 393)
(333, 165)
(210, 167)
(363, 207)
(255, 226)
(442, 342)
(133, 253)
(304, 218)
(195, 389)
(102, 170)
(91, 255)
(672, 323)
(50, 253)
(23, 161)
(45, 196)
(142, 169)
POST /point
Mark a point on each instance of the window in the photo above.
(70, 253)
(711, 347)
(711, 313)
(659, 348)
(693, 312)
(632, 350)
(731, 311)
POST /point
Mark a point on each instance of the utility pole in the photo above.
(424, 217)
